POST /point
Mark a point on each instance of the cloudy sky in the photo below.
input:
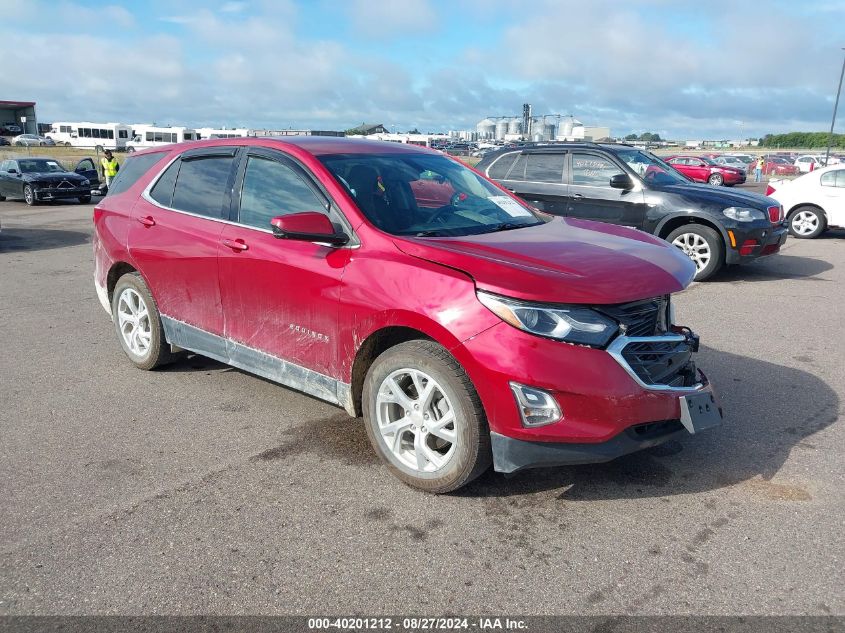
(686, 70)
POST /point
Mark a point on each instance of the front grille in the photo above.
(639, 318)
(666, 363)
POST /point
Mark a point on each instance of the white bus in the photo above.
(144, 136)
(210, 132)
(95, 135)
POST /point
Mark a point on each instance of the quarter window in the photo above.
(162, 192)
(201, 185)
(272, 189)
(834, 178)
(592, 170)
(131, 170)
(501, 167)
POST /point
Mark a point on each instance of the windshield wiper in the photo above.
(507, 226)
(429, 233)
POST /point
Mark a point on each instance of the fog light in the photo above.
(536, 407)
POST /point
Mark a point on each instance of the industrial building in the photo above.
(542, 128)
(21, 113)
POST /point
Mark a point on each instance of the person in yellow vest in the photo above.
(110, 167)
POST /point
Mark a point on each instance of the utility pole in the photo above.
(835, 106)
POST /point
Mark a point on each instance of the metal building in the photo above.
(20, 113)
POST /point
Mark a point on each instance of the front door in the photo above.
(280, 296)
(175, 238)
(86, 168)
(833, 196)
(592, 198)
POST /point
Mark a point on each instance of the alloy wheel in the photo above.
(696, 248)
(27, 194)
(134, 321)
(805, 222)
(416, 420)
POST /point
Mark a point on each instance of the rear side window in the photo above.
(201, 185)
(162, 192)
(272, 189)
(834, 178)
(131, 170)
(545, 168)
(500, 168)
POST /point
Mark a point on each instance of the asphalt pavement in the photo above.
(202, 489)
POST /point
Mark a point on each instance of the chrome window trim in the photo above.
(620, 343)
(145, 194)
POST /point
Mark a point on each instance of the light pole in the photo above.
(835, 106)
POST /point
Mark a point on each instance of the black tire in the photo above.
(29, 195)
(820, 220)
(18, 144)
(2, 198)
(472, 454)
(158, 353)
(716, 180)
(130, 150)
(85, 199)
(714, 242)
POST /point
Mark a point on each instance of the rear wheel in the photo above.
(805, 223)
(130, 149)
(702, 245)
(85, 199)
(138, 324)
(716, 179)
(424, 418)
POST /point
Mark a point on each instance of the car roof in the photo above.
(316, 145)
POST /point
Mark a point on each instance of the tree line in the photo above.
(802, 139)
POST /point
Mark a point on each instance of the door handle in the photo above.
(577, 195)
(511, 190)
(236, 245)
(147, 220)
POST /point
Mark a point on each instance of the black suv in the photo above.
(622, 184)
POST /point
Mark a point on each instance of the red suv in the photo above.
(703, 169)
(401, 285)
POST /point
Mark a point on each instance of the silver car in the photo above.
(32, 140)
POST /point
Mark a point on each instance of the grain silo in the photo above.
(486, 129)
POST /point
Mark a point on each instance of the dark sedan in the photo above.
(41, 179)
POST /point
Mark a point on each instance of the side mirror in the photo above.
(13, 170)
(308, 226)
(621, 181)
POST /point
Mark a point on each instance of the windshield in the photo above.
(426, 195)
(36, 166)
(650, 168)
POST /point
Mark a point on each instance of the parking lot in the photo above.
(203, 489)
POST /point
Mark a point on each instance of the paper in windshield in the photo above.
(510, 206)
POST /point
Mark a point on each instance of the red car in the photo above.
(702, 169)
(399, 284)
(776, 166)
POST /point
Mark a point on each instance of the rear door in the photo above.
(280, 296)
(175, 234)
(537, 178)
(592, 197)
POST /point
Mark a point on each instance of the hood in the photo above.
(563, 261)
(721, 197)
(54, 176)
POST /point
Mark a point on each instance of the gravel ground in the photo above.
(202, 489)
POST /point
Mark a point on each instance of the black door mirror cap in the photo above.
(621, 181)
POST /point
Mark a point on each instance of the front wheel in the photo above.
(29, 195)
(716, 179)
(130, 150)
(702, 245)
(85, 199)
(138, 324)
(805, 223)
(424, 418)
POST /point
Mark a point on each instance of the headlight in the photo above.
(744, 214)
(573, 324)
(86, 182)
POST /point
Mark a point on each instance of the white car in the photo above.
(813, 202)
(816, 160)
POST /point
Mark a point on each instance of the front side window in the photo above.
(201, 185)
(401, 193)
(272, 189)
(650, 168)
(592, 170)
